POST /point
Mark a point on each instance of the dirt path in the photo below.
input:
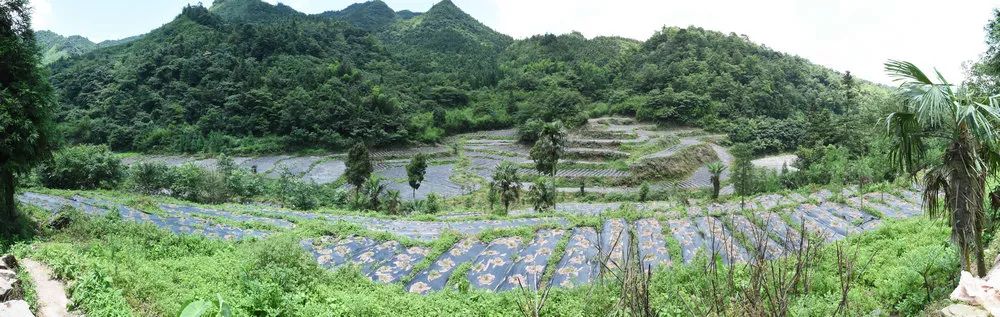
(52, 300)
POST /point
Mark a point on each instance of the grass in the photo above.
(438, 248)
(673, 246)
(553, 261)
(273, 276)
(28, 288)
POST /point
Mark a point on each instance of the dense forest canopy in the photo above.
(248, 76)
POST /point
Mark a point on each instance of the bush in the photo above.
(301, 196)
(529, 132)
(81, 167)
(543, 194)
(149, 178)
(433, 204)
(198, 185)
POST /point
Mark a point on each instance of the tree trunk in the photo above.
(964, 196)
(715, 187)
(8, 214)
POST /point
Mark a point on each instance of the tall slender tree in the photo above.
(415, 172)
(968, 122)
(359, 166)
(742, 172)
(549, 148)
(25, 105)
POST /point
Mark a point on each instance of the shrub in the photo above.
(433, 204)
(149, 177)
(81, 167)
(529, 132)
(198, 185)
(543, 194)
(393, 204)
(301, 196)
(644, 192)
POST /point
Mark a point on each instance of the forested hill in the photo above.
(54, 46)
(248, 76)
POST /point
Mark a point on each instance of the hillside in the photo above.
(370, 16)
(55, 47)
(253, 11)
(247, 76)
(448, 41)
(199, 82)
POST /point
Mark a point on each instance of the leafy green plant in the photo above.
(149, 178)
(716, 170)
(82, 167)
(549, 148)
(542, 194)
(200, 307)
(359, 166)
(643, 192)
(415, 171)
(506, 185)
(969, 122)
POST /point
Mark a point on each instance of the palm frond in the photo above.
(936, 181)
(932, 102)
(906, 72)
(908, 145)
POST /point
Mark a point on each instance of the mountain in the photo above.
(107, 43)
(54, 46)
(253, 11)
(200, 82)
(248, 76)
(447, 40)
(371, 16)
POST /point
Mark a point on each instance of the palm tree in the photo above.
(506, 185)
(373, 189)
(968, 123)
(716, 169)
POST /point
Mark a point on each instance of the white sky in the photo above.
(855, 35)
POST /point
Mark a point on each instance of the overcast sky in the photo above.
(855, 35)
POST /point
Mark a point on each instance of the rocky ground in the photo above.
(503, 263)
(11, 294)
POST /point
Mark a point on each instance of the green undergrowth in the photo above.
(557, 254)
(28, 288)
(120, 268)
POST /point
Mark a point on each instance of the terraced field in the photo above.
(591, 149)
(503, 263)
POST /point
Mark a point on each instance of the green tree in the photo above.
(25, 105)
(644, 192)
(81, 167)
(549, 148)
(373, 189)
(968, 122)
(543, 194)
(742, 175)
(415, 172)
(393, 204)
(506, 185)
(359, 166)
(716, 169)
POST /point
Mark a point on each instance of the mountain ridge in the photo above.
(247, 76)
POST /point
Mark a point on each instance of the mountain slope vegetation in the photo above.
(247, 76)
(55, 47)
